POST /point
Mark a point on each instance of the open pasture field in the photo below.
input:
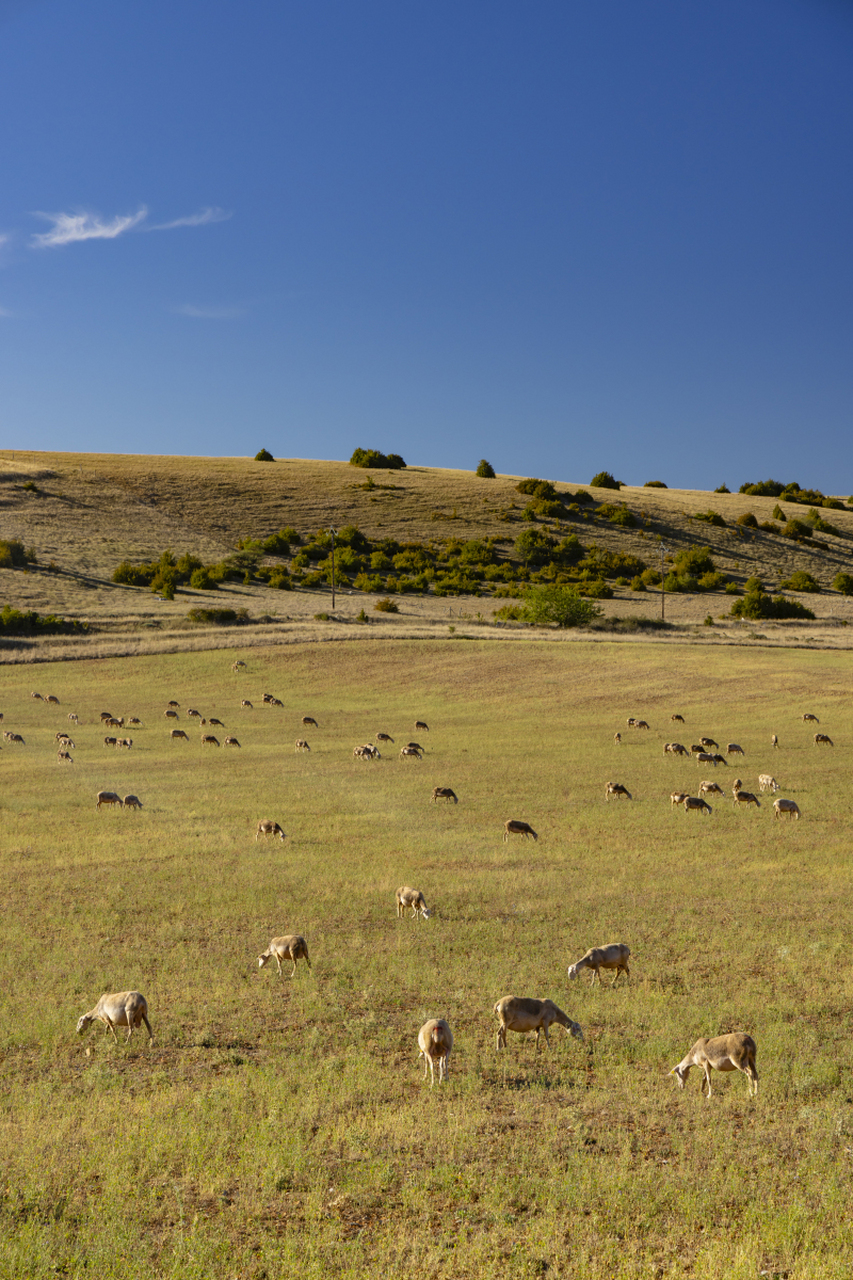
(278, 1127)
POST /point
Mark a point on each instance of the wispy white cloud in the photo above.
(200, 219)
(209, 313)
(70, 228)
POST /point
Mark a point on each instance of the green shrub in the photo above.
(637, 584)
(757, 605)
(280, 579)
(801, 581)
(616, 514)
(560, 605)
(603, 480)
(373, 458)
(650, 577)
(797, 529)
(769, 527)
(485, 470)
(722, 489)
(748, 520)
(764, 489)
(778, 513)
(220, 617)
(843, 582)
(833, 504)
(595, 589)
(321, 617)
(387, 606)
(711, 517)
(264, 456)
(694, 562)
(534, 547)
(278, 544)
(135, 575)
(820, 525)
(753, 584)
(368, 582)
(203, 580)
(712, 581)
(583, 498)
(732, 589)
(16, 622)
(510, 613)
(538, 489)
(13, 555)
(655, 484)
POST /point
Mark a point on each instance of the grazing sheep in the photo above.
(630, 722)
(109, 797)
(124, 742)
(72, 717)
(266, 827)
(707, 743)
(435, 1041)
(746, 798)
(823, 739)
(675, 749)
(734, 750)
(309, 721)
(64, 757)
(444, 793)
(410, 753)
(696, 803)
(766, 782)
(134, 721)
(367, 752)
(678, 797)
(191, 711)
(14, 737)
(121, 1009)
(515, 828)
(293, 946)
(774, 740)
(421, 724)
(617, 738)
(39, 698)
(677, 717)
(616, 789)
(705, 757)
(110, 742)
(62, 736)
(737, 785)
(115, 722)
(239, 665)
(171, 715)
(384, 737)
(302, 745)
(733, 1052)
(789, 807)
(179, 735)
(523, 1014)
(208, 740)
(416, 746)
(231, 741)
(173, 703)
(132, 802)
(247, 703)
(640, 724)
(218, 723)
(106, 715)
(710, 788)
(613, 956)
(808, 718)
(52, 699)
(408, 897)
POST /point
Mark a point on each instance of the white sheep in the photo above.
(408, 897)
(524, 1014)
(733, 1052)
(121, 1009)
(266, 827)
(616, 789)
(766, 782)
(612, 956)
(435, 1042)
(789, 807)
(293, 946)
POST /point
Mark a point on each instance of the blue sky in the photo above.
(563, 236)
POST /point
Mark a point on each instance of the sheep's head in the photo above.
(680, 1072)
(573, 971)
(83, 1024)
(575, 1029)
(262, 961)
(426, 913)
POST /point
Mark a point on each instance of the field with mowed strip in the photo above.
(279, 1127)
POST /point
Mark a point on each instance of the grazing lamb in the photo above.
(808, 718)
(64, 757)
(179, 735)
(444, 793)
(523, 1014)
(110, 742)
(710, 788)
(734, 1052)
(705, 757)
(239, 665)
(109, 797)
(824, 739)
(613, 956)
(675, 749)
(435, 1041)
(515, 828)
(789, 807)
(677, 717)
(247, 703)
(410, 753)
(231, 741)
(121, 1009)
(132, 802)
(293, 946)
(707, 743)
(384, 737)
(39, 698)
(208, 740)
(616, 789)
(134, 721)
(266, 827)
(73, 718)
(173, 703)
(421, 724)
(408, 897)
(641, 724)
(630, 722)
(367, 752)
(273, 702)
(678, 797)
(617, 738)
(191, 711)
(302, 745)
(774, 740)
(746, 798)
(692, 803)
(734, 750)
(309, 720)
(766, 782)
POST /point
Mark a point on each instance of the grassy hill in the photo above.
(83, 514)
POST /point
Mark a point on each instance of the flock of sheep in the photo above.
(735, 1051)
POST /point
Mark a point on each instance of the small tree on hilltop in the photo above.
(485, 470)
(604, 480)
(264, 456)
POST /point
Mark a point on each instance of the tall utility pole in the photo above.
(333, 532)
